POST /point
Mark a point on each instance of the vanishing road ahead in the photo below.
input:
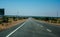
(32, 28)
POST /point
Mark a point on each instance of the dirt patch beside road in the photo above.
(8, 25)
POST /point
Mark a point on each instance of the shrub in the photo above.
(0, 22)
(5, 19)
(14, 18)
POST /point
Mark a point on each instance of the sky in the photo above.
(31, 7)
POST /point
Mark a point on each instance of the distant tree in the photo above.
(14, 18)
(46, 18)
(5, 19)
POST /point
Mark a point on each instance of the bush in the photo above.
(5, 19)
(0, 22)
(14, 18)
(46, 19)
(59, 21)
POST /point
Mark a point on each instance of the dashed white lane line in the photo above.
(46, 29)
(49, 30)
(15, 30)
(41, 26)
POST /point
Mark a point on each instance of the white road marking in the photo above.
(15, 30)
(49, 30)
(41, 26)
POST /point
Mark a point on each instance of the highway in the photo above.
(32, 28)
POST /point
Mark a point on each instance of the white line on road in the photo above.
(49, 30)
(15, 30)
(41, 26)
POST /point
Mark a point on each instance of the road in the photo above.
(32, 28)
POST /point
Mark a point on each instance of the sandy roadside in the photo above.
(8, 25)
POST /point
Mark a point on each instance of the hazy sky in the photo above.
(31, 7)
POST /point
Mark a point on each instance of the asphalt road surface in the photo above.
(32, 28)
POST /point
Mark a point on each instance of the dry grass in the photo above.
(10, 24)
(57, 24)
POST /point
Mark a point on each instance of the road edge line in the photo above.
(15, 30)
